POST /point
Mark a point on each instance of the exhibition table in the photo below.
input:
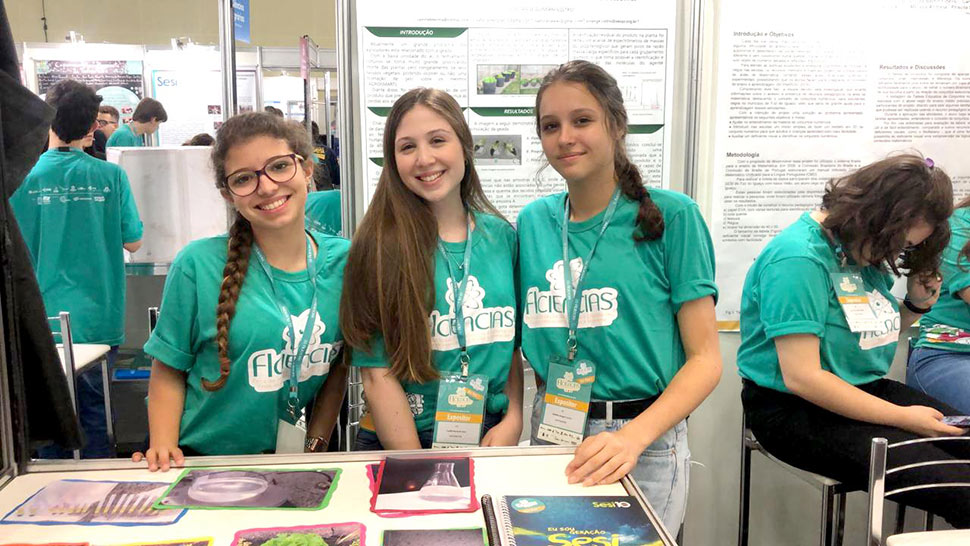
(531, 471)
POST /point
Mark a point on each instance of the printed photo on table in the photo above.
(251, 488)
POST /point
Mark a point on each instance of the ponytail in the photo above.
(233, 275)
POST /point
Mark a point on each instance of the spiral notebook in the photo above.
(568, 520)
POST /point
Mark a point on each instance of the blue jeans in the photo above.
(662, 471)
(367, 439)
(90, 404)
(944, 375)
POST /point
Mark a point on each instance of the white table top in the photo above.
(931, 538)
(85, 354)
(532, 474)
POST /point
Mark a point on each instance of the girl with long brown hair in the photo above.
(617, 278)
(429, 288)
(247, 332)
(819, 329)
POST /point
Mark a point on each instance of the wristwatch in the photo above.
(316, 444)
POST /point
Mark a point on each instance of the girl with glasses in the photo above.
(429, 292)
(247, 333)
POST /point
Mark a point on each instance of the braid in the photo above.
(233, 275)
(650, 221)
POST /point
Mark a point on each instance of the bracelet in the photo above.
(912, 306)
(316, 444)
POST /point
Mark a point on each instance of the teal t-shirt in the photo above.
(124, 136)
(489, 317)
(323, 211)
(75, 213)
(631, 295)
(789, 290)
(947, 325)
(241, 418)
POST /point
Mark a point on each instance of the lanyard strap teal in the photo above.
(459, 293)
(574, 294)
(293, 400)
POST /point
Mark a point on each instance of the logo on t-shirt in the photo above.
(483, 325)
(888, 319)
(269, 369)
(547, 309)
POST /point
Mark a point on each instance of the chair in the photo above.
(67, 360)
(877, 494)
(832, 524)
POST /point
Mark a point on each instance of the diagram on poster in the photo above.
(803, 98)
(492, 58)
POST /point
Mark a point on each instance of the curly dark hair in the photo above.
(871, 209)
(77, 109)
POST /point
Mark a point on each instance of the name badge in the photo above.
(851, 292)
(460, 411)
(566, 407)
(290, 437)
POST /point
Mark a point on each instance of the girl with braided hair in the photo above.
(617, 278)
(248, 331)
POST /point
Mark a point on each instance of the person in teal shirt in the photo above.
(246, 315)
(940, 363)
(77, 216)
(323, 212)
(148, 115)
(645, 310)
(819, 329)
(430, 283)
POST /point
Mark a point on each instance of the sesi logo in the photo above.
(166, 82)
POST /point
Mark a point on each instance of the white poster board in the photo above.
(176, 196)
(193, 101)
(460, 47)
(811, 91)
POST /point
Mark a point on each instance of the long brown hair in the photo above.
(601, 85)
(235, 131)
(389, 279)
(871, 209)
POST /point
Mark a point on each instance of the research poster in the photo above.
(804, 97)
(492, 56)
(118, 82)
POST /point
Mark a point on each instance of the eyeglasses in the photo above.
(103, 122)
(279, 169)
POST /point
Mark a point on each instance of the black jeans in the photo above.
(814, 439)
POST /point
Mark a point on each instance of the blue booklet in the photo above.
(575, 520)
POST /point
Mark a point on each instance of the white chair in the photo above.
(878, 493)
(67, 362)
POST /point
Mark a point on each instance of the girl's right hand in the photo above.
(926, 422)
(158, 457)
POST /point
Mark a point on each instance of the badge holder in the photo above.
(566, 407)
(461, 409)
(291, 433)
(852, 296)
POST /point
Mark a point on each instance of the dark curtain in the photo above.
(34, 369)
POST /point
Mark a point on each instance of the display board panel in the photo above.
(193, 101)
(118, 82)
(804, 96)
(491, 57)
